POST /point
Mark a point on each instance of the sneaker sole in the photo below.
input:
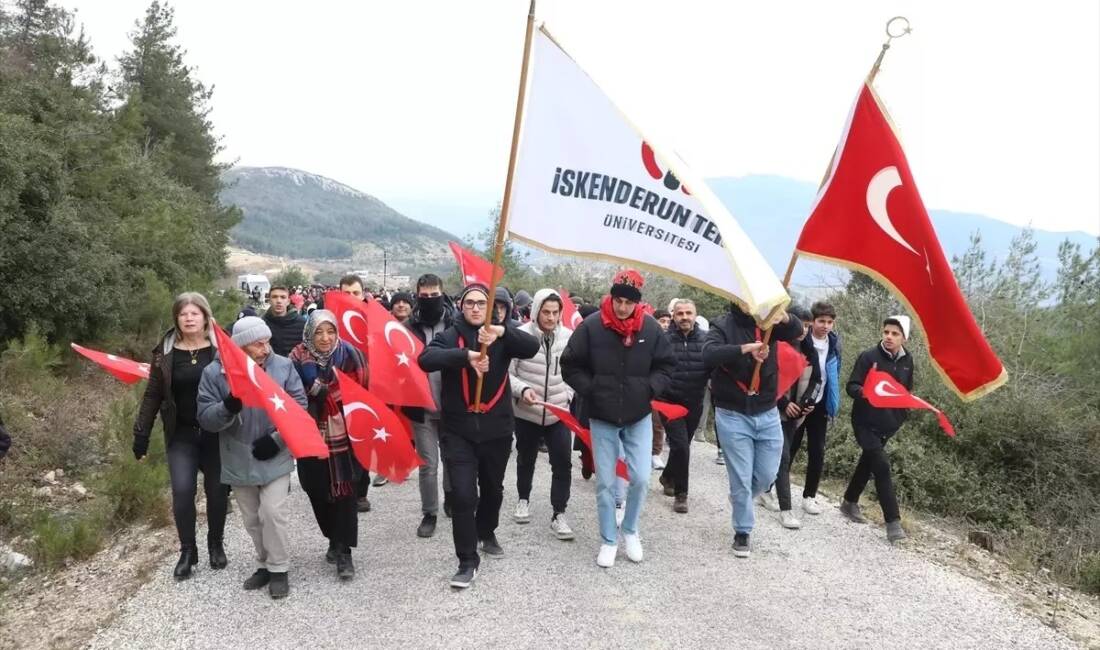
(742, 554)
(463, 585)
(524, 520)
(565, 537)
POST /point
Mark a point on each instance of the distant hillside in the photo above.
(296, 214)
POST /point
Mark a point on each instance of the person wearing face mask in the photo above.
(172, 390)
(255, 460)
(432, 315)
(330, 482)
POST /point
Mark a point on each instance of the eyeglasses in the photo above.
(475, 304)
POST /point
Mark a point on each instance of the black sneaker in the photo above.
(345, 568)
(257, 580)
(332, 552)
(279, 586)
(463, 578)
(741, 546)
(363, 505)
(490, 546)
(426, 527)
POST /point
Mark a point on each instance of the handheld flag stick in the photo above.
(904, 29)
(502, 223)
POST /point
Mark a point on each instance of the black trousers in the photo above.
(814, 426)
(679, 434)
(783, 479)
(337, 518)
(874, 462)
(477, 490)
(190, 451)
(558, 443)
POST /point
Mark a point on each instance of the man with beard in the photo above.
(433, 314)
(477, 434)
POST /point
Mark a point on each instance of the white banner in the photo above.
(587, 183)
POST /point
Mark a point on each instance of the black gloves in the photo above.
(232, 404)
(265, 448)
(141, 446)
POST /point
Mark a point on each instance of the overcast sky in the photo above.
(998, 104)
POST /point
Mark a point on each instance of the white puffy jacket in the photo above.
(541, 372)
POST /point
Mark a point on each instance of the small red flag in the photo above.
(584, 434)
(670, 411)
(570, 317)
(125, 370)
(883, 391)
(249, 383)
(869, 216)
(379, 438)
(474, 268)
(791, 364)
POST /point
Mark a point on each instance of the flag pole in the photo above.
(904, 29)
(502, 222)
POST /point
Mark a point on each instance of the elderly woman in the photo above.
(178, 362)
(330, 483)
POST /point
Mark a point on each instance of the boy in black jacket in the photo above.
(747, 423)
(476, 441)
(874, 426)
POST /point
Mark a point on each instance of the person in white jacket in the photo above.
(535, 380)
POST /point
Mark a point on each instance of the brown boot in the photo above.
(680, 505)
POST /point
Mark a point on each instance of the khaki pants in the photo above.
(264, 511)
(658, 434)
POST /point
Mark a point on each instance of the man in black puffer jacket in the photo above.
(477, 439)
(747, 422)
(689, 382)
(618, 361)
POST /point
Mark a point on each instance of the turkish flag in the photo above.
(474, 268)
(791, 364)
(584, 434)
(126, 370)
(570, 317)
(869, 216)
(883, 391)
(249, 383)
(390, 347)
(670, 411)
(379, 438)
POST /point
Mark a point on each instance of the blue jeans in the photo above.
(637, 442)
(753, 445)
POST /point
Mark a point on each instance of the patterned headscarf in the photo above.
(312, 323)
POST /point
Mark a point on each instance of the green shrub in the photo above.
(136, 490)
(1090, 573)
(30, 363)
(59, 536)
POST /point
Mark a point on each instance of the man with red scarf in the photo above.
(476, 438)
(619, 360)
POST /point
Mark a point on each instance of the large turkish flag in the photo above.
(870, 217)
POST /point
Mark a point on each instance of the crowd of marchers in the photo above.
(623, 355)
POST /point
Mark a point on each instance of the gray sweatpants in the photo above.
(265, 513)
(426, 434)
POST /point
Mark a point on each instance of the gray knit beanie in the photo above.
(249, 330)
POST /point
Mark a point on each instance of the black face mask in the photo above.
(431, 309)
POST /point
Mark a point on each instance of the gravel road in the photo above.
(832, 584)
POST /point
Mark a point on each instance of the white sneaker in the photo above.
(620, 512)
(788, 520)
(560, 527)
(768, 501)
(522, 515)
(720, 459)
(606, 558)
(810, 506)
(633, 545)
(658, 463)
